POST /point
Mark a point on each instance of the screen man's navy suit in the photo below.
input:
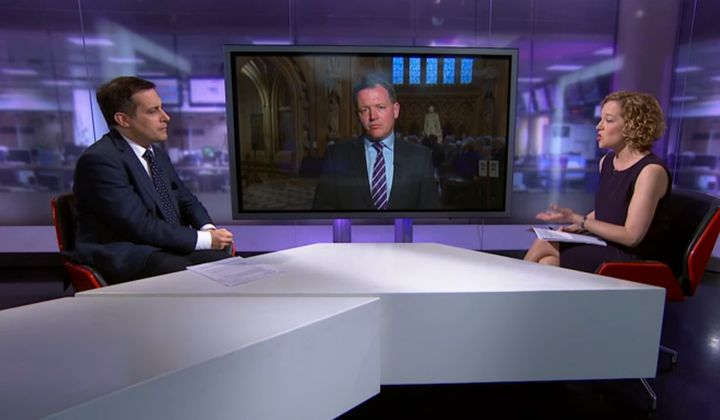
(120, 220)
(343, 183)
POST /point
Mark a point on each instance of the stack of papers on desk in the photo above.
(234, 271)
(558, 236)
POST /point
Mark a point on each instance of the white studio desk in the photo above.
(188, 358)
(451, 315)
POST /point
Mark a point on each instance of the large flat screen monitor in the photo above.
(303, 123)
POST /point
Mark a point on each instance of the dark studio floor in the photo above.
(689, 391)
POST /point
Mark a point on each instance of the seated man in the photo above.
(377, 171)
(135, 216)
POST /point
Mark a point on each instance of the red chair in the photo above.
(695, 225)
(82, 277)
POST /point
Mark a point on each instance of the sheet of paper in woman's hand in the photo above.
(559, 236)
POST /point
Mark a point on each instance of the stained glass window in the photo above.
(398, 70)
(466, 66)
(431, 71)
(448, 71)
(414, 70)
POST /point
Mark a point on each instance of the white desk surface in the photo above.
(382, 268)
(188, 357)
(452, 315)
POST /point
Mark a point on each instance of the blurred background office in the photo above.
(53, 55)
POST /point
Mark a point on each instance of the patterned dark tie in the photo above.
(379, 184)
(168, 209)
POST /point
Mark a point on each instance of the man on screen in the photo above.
(135, 217)
(377, 171)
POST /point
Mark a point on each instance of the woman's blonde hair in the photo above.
(644, 121)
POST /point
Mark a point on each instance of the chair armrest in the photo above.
(647, 272)
(83, 277)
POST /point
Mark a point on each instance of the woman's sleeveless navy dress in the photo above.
(611, 205)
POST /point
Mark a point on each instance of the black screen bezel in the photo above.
(231, 52)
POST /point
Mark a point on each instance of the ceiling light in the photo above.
(19, 72)
(687, 69)
(564, 67)
(271, 42)
(607, 51)
(683, 98)
(49, 82)
(91, 41)
(530, 79)
(126, 60)
(448, 44)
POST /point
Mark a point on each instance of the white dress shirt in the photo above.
(204, 238)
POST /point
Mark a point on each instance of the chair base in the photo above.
(651, 393)
(673, 354)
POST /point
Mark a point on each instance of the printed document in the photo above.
(234, 271)
(558, 236)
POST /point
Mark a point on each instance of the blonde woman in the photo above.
(630, 204)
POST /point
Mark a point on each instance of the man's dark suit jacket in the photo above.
(120, 221)
(343, 184)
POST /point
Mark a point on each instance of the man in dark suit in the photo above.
(135, 216)
(377, 171)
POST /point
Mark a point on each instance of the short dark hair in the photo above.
(370, 81)
(116, 96)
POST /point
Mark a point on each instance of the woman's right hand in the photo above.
(557, 214)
